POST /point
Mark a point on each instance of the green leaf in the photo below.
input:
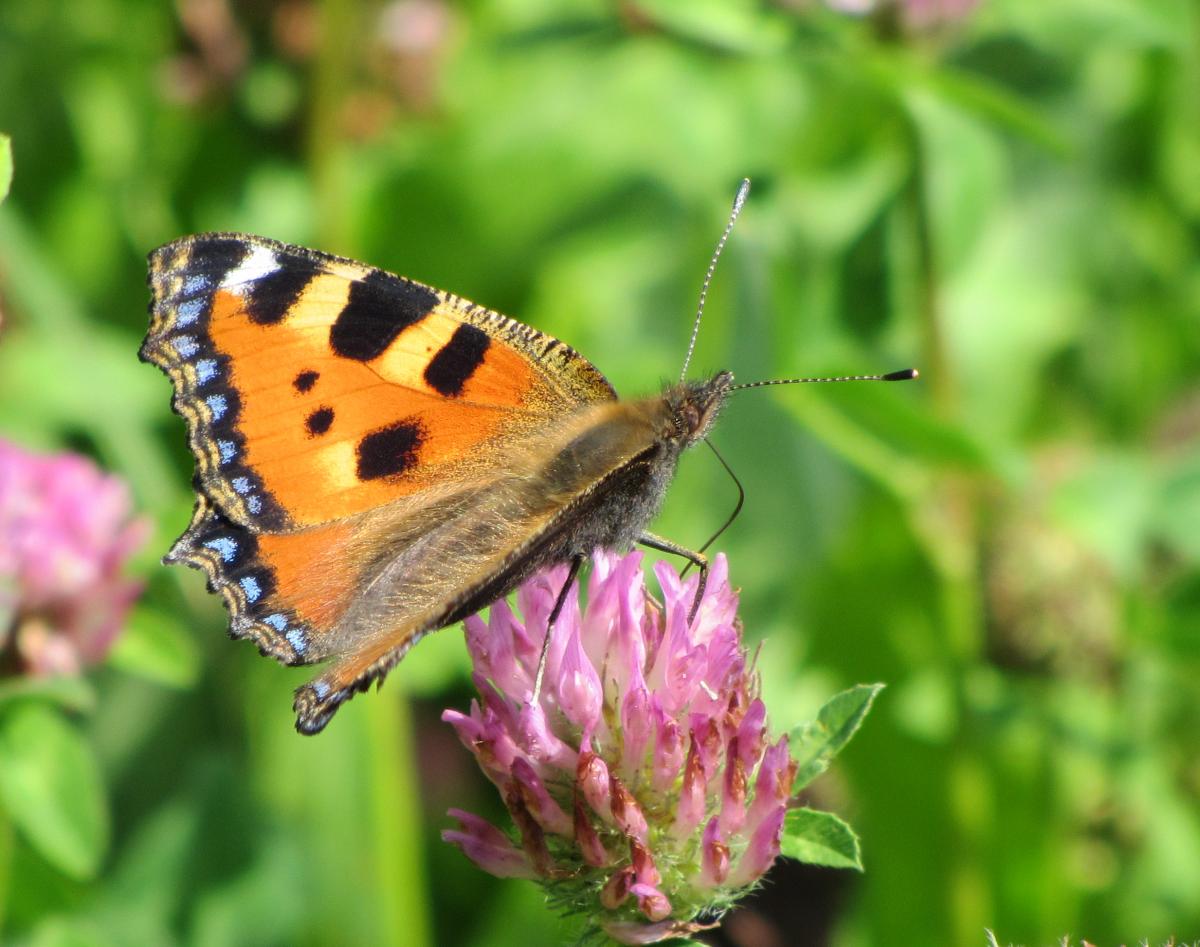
(67, 932)
(157, 647)
(820, 838)
(834, 205)
(816, 743)
(71, 693)
(50, 785)
(999, 106)
(6, 165)
(719, 24)
(964, 161)
(1175, 517)
(99, 387)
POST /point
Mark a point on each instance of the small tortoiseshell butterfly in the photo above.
(377, 459)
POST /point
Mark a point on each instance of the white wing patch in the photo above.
(259, 262)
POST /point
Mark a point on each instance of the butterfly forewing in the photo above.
(315, 387)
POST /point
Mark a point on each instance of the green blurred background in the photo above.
(1006, 196)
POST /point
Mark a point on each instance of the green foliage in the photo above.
(820, 838)
(1009, 202)
(815, 744)
(157, 646)
(51, 787)
(6, 166)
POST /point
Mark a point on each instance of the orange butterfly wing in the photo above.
(315, 387)
(317, 391)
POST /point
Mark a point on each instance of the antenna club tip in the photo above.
(905, 374)
(743, 192)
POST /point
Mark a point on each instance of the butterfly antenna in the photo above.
(736, 509)
(905, 374)
(902, 375)
(742, 193)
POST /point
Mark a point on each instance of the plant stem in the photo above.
(395, 802)
(948, 521)
(6, 853)
(933, 341)
(332, 80)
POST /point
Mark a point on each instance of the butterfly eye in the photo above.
(687, 419)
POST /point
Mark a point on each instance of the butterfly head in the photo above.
(693, 406)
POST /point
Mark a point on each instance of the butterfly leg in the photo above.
(572, 572)
(699, 560)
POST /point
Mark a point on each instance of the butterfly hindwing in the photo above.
(230, 555)
(470, 545)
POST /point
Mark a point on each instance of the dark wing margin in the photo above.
(228, 555)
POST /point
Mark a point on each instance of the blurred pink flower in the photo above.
(917, 14)
(923, 14)
(65, 533)
(642, 783)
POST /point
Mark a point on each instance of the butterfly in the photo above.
(377, 459)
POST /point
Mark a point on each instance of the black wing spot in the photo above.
(212, 259)
(449, 370)
(318, 422)
(379, 308)
(305, 380)
(272, 296)
(390, 451)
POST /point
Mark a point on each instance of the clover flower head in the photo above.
(65, 535)
(643, 786)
